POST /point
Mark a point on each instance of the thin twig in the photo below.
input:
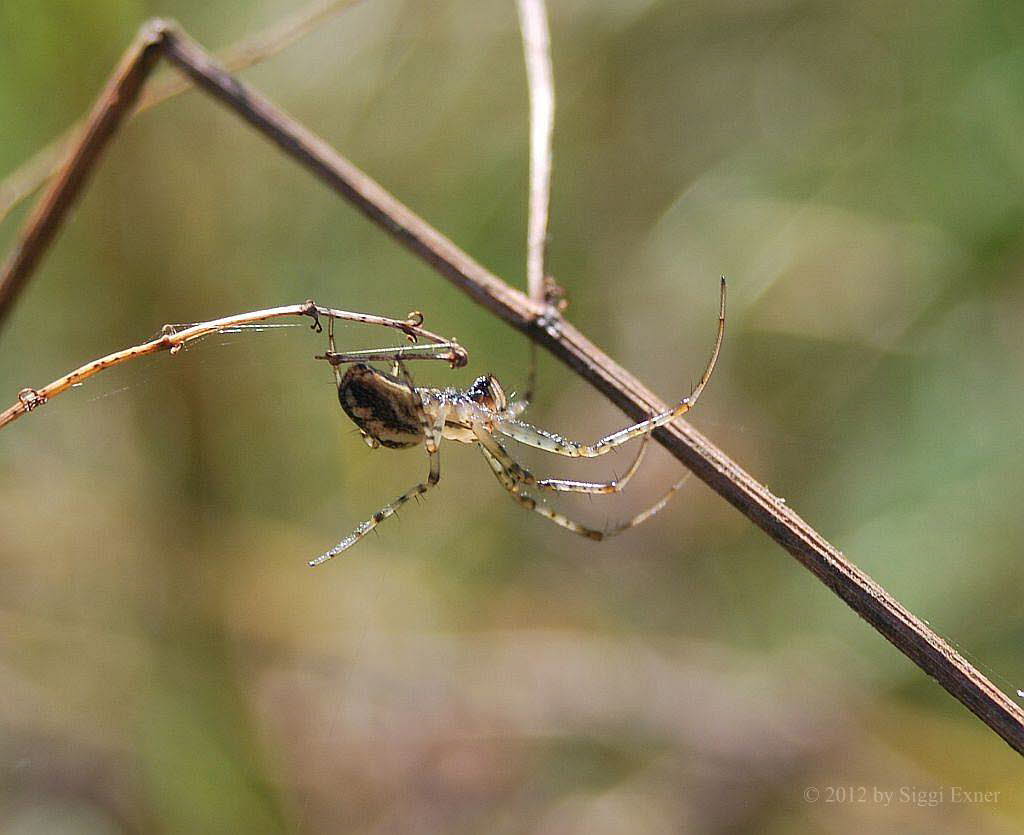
(113, 104)
(910, 635)
(32, 174)
(173, 337)
(533, 21)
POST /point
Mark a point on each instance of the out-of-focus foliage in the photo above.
(170, 664)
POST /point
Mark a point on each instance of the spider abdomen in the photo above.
(382, 406)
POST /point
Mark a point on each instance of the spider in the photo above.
(392, 412)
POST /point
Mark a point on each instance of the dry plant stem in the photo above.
(533, 21)
(912, 637)
(113, 104)
(172, 339)
(34, 172)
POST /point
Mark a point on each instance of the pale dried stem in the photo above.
(533, 21)
(173, 337)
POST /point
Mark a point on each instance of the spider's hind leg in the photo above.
(431, 434)
(331, 349)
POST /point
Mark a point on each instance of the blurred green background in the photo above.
(169, 664)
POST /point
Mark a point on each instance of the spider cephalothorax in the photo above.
(390, 411)
(487, 391)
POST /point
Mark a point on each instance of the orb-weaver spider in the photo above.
(391, 411)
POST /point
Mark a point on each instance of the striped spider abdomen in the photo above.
(384, 408)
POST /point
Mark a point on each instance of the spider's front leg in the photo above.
(524, 433)
(517, 407)
(523, 476)
(507, 472)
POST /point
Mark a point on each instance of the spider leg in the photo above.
(509, 481)
(432, 440)
(644, 515)
(431, 435)
(388, 510)
(330, 349)
(523, 403)
(524, 433)
(616, 485)
(524, 476)
(433, 351)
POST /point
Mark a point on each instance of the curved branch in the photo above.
(174, 337)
